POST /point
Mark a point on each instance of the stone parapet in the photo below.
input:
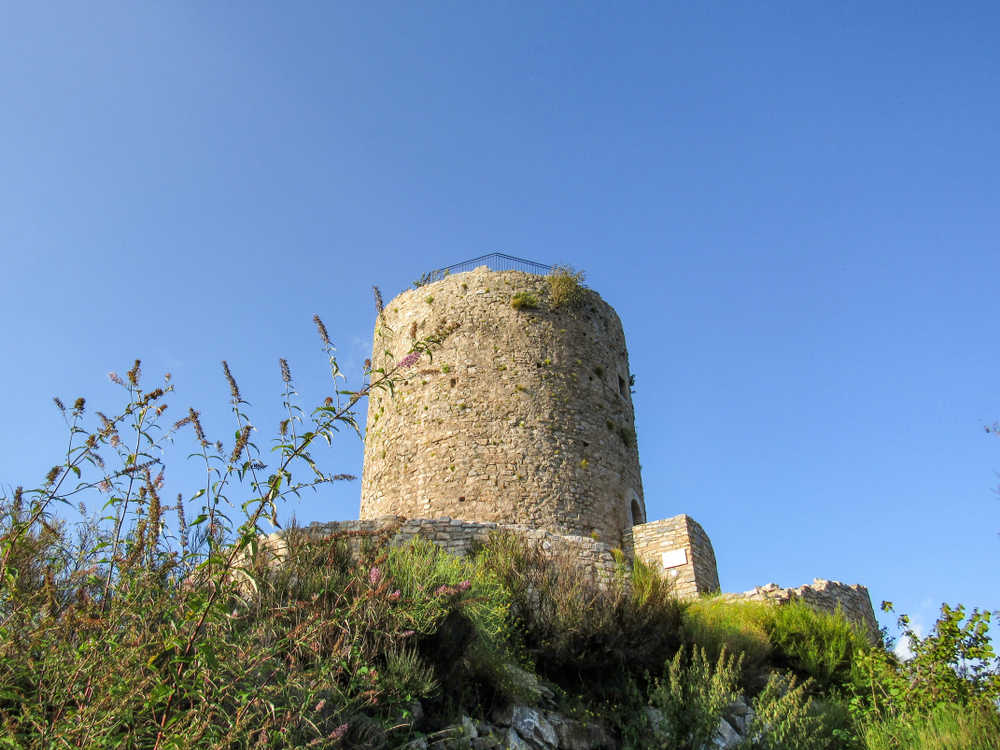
(853, 600)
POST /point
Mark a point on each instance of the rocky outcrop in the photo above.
(534, 728)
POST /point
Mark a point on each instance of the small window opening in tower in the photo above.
(636, 517)
(621, 385)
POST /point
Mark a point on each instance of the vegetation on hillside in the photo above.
(172, 625)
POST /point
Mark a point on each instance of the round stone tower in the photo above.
(524, 414)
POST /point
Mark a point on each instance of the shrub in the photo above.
(579, 635)
(784, 717)
(141, 631)
(692, 697)
(524, 301)
(565, 287)
(952, 668)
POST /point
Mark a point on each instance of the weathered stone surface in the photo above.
(534, 728)
(503, 715)
(487, 742)
(577, 735)
(725, 736)
(469, 727)
(739, 715)
(524, 415)
(512, 741)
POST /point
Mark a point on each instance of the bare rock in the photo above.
(725, 736)
(534, 728)
(578, 735)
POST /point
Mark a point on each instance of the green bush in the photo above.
(144, 631)
(565, 287)
(954, 668)
(524, 301)
(583, 637)
(692, 696)
(784, 717)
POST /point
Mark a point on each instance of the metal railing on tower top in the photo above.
(493, 261)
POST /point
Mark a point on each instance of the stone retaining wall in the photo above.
(458, 537)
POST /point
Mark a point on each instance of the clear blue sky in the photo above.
(793, 207)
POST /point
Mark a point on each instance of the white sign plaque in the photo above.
(674, 557)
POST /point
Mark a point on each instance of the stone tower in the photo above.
(523, 416)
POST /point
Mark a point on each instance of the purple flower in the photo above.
(408, 361)
(374, 576)
(339, 732)
(394, 596)
(464, 586)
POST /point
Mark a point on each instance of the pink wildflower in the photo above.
(339, 732)
(374, 575)
(408, 361)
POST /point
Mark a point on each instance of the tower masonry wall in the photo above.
(523, 416)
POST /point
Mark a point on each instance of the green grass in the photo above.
(816, 644)
(714, 623)
(793, 636)
(949, 728)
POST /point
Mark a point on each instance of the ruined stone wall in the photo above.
(680, 548)
(826, 596)
(459, 538)
(523, 416)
